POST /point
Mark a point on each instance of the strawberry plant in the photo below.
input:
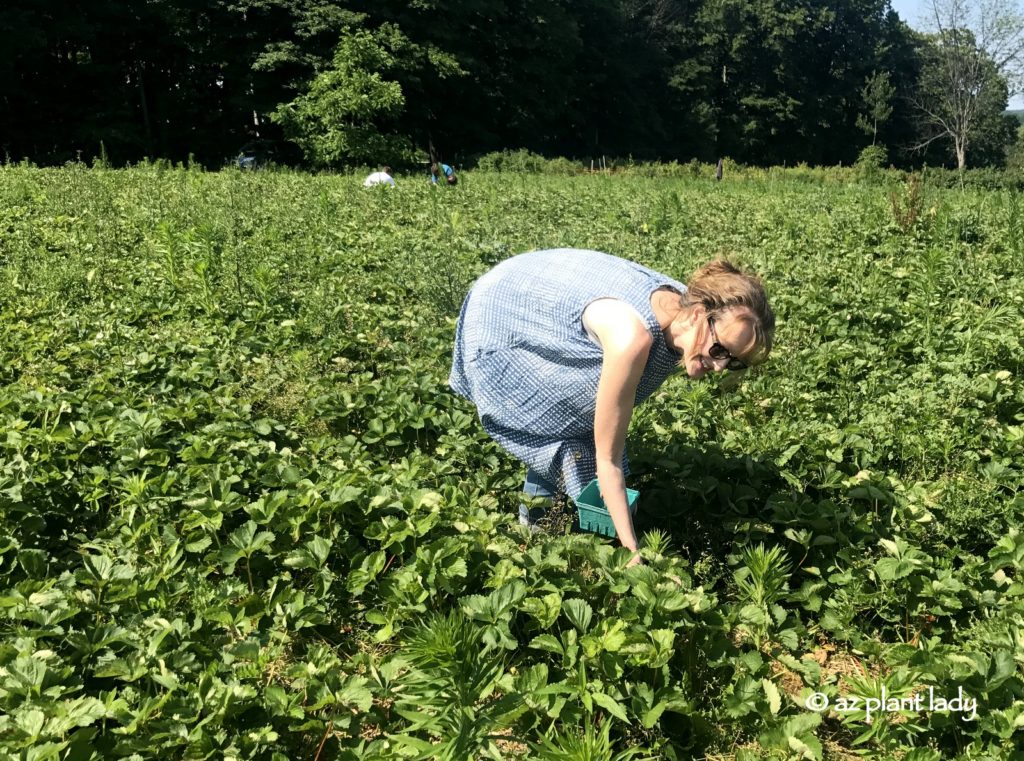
(242, 516)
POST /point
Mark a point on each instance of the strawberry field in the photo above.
(242, 516)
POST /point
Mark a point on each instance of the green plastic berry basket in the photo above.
(593, 514)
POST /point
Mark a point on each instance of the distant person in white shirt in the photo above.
(380, 178)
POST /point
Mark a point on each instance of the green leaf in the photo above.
(544, 609)
(30, 722)
(664, 642)
(532, 679)
(608, 703)
(753, 615)
(248, 540)
(651, 716)
(771, 692)
(740, 698)
(414, 743)
(198, 544)
(368, 571)
(890, 569)
(547, 642)
(355, 693)
(27, 674)
(33, 562)
(79, 713)
(806, 746)
(579, 613)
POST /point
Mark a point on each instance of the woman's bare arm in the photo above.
(626, 343)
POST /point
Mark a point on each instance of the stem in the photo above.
(323, 740)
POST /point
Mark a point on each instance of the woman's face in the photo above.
(735, 336)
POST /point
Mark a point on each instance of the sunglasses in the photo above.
(717, 351)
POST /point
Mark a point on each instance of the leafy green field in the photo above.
(243, 517)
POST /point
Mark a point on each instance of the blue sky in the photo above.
(911, 11)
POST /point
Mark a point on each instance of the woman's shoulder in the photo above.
(614, 323)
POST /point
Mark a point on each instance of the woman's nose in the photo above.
(719, 364)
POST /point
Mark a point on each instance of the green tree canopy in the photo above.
(761, 81)
(349, 109)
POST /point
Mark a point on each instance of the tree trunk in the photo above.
(145, 111)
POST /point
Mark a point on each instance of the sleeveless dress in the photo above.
(523, 357)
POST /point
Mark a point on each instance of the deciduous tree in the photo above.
(349, 109)
(877, 95)
(972, 63)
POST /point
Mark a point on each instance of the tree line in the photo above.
(337, 82)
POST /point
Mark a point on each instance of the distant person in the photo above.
(437, 169)
(383, 177)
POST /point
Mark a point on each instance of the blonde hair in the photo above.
(720, 286)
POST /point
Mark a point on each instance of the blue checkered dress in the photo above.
(523, 357)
